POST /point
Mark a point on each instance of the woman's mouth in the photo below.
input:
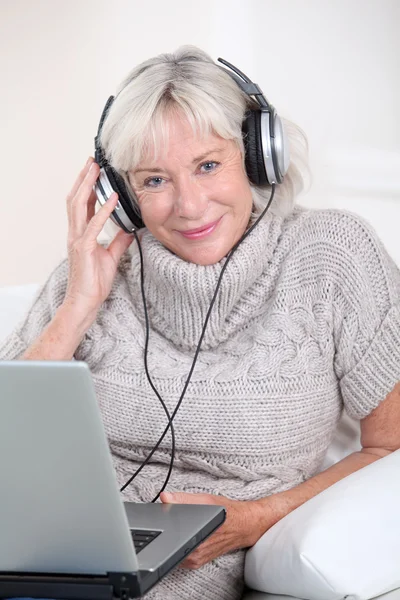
(200, 232)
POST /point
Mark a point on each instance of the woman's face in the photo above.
(195, 198)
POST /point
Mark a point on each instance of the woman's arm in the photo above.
(247, 521)
(61, 337)
(91, 271)
(380, 435)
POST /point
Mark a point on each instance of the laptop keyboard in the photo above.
(142, 538)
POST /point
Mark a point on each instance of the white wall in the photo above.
(332, 66)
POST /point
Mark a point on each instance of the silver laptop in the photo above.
(64, 530)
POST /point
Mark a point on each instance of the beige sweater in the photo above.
(306, 321)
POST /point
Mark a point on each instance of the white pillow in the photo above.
(344, 542)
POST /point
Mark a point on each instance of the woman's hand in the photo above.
(92, 268)
(245, 523)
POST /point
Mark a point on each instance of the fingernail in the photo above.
(88, 161)
(167, 496)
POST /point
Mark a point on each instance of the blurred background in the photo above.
(332, 66)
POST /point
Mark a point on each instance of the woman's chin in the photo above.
(203, 254)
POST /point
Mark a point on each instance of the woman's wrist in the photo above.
(77, 318)
(259, 519)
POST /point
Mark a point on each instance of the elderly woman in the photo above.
(305, 322)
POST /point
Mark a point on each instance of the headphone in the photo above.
(266, 152)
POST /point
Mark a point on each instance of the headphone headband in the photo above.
(249, 87)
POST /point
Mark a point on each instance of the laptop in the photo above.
(64, 529)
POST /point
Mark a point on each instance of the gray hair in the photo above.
(190, 81)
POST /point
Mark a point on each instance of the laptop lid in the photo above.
(54, 458)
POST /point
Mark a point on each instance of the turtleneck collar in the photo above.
(179, 293)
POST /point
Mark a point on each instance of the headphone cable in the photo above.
(146, 347)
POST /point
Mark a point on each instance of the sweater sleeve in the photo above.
(45, 304)
(366, 317)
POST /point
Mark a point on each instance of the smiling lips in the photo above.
(200, 232)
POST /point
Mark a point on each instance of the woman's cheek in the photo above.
(155, 209)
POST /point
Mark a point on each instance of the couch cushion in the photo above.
(14, 302)
(344, 541)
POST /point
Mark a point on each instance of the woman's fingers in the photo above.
(120, 243)
(84, 222)
(91, 206)
(91, 267)
(97, 222)
(79, 204)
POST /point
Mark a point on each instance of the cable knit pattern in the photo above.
(306, 321)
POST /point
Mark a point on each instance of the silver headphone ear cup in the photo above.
(275, 146)
(125, 206)
(267, 148)
(281, 144)
(104, 188)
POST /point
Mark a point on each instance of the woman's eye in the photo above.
(208, 166)
(153, 182)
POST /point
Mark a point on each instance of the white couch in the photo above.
(15, 300)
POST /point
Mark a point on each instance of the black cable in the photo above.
(146, 346)
(171, 417)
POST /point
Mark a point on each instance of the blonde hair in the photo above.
(188, 80)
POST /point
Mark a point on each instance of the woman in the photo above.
(306, 320)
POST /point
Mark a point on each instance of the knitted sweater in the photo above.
(306, 321)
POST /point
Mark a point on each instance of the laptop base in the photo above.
(70, 587)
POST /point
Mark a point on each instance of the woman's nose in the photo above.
(191, 202)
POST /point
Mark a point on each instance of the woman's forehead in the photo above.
(180, 139)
